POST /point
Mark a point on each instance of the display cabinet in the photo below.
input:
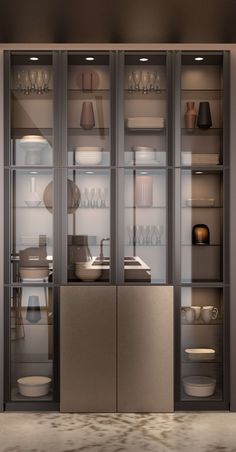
(201, 240)
(116, 174)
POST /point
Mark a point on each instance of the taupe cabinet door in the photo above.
(145, 349)
(88, 349)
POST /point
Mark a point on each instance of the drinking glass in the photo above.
(152, 80)
(131, 86)
(157, 84)
(145, 80)
(39, 82)
(27, 84)
(46, 78)
(32, 76)
(136, 78)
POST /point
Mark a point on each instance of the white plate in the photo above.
(200, 354)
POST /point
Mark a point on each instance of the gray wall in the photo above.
(1, 233)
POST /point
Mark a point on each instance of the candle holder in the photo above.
(200, 234)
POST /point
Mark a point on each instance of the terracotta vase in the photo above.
(190, 116)
(87, 120)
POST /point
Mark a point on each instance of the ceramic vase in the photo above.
(87, 120)
(143, 191)
(33, 198)
(190, 116)
(200, 234)
(204, 116)
(33, 314)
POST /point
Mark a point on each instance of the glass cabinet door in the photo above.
(145, 109)
(31, 344)
(203, 187)
(31, 109)
(145, 244)
(88, 109)
(202, 344)
(29, 277)
(88, 225)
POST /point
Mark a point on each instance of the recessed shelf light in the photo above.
(34, 58)
(143, 59)
(199, 59)
(89, 58)
(198, 172)
(89, 172)
(33, 172)
(143, 172)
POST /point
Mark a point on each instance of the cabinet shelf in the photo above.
(140, 131)
(208, 132)
(75, 131)
(19, 132)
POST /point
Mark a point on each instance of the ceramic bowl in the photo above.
(88, 155)
(199, 386)
(33, 272)
(200, 354)
(144, 154)
(33, 203)
(84, 272)
(34, 386)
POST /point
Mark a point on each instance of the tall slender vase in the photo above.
(143, 191)
(190, 116)
(87, 120)
(33, 314)
(204, 116)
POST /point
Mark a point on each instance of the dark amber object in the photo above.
(200, 234)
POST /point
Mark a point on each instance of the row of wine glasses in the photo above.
(32, 81)
(144, 81)
(92, 197)
(145, 234)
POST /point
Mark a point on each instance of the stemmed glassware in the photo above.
(144, 81)
(32, 81)
(137, 78)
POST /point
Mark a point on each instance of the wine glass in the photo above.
(32, 76)
(136, 78)
(157, 84)
(145, 80)
(131, 86)
(27, 84)
(46, 78)
(152, 80)
(39, 82)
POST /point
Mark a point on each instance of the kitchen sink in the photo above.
(129, 261)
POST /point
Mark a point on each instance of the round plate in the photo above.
(73, 196)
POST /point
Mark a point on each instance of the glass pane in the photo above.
(201, 226)
(89, 109)
(145, 109)
(31, 109)
(145, 226)
(202, 110)
(31, 226)
(202, 344)
(31, 343)
(89, 225)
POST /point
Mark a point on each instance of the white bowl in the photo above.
(144, 154)
(33, 143)
(88, 155)
(34, 386)
(33, 272)
(199, 386)
(85, 272)
(33, 203)
(200, 354)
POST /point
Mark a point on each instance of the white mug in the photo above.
(209, 313)
(197, 311)
(188, 314)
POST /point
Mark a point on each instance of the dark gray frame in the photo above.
(224, 285)
(8, 169)
(1, 235)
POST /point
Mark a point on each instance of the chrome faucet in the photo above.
(101, 257)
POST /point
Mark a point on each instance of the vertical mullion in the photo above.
(113, 178)
(63, 174)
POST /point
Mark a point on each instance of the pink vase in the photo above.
(143, 191)
(87, 120)
(190, 116)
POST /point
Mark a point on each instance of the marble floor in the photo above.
(55, 432)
